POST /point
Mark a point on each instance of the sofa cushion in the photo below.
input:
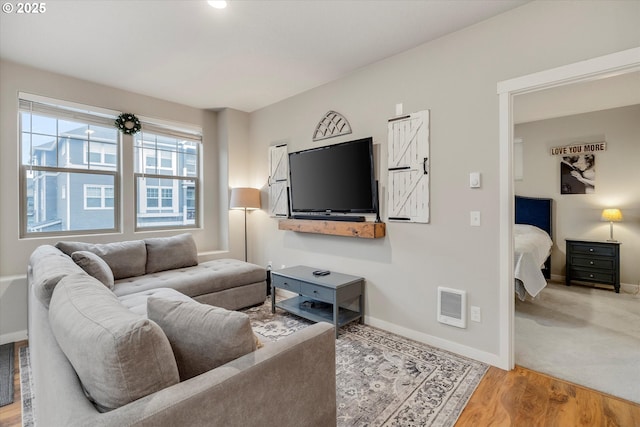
(126, 259)
(168, 253)
(94, 266)
(137, 302)
(47, 266)
(119, 356)
(201, 279)
(202, 336)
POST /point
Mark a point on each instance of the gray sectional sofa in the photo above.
(113, 329)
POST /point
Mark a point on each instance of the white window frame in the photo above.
(63, 110)
(179, 178)
(103, 196)
(159, 188)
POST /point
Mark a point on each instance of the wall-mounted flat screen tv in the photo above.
(334, 178)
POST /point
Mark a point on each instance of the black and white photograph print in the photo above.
(578, 174)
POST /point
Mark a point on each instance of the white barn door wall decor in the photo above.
(278, 180)
(408, 163)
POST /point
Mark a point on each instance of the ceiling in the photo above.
(247, 56)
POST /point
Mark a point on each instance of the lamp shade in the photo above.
(245, 198)
(611, 215)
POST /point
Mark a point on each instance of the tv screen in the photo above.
(335, 178)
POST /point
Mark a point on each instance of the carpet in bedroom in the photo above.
(585, 335)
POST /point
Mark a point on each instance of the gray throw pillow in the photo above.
(47, 266)
(202, 336)
(169, 253)
(125, 259)
(119, 356)
(94, 266)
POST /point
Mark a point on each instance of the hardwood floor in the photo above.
(527, 398)
(11, 415)
(519, 398)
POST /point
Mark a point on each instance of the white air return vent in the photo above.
(452, 307)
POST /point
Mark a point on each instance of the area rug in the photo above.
(6, 374)
(383, 379)
(26, 389)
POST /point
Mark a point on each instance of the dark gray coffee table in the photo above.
(320, 298)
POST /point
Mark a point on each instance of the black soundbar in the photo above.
(326, 217)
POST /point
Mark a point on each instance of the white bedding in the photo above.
(532, 247)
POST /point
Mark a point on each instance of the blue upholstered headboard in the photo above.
(536, 211)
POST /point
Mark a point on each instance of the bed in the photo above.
(532, 245)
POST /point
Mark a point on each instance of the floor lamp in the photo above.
(245, 198)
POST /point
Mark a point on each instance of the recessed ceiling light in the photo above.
(217, 4)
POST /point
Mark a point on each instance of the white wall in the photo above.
(455, 77)
(577, 216)
(224, 136)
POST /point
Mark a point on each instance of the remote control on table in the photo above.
(321, 272)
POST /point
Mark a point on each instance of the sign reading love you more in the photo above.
(576, 149)
(578, 167)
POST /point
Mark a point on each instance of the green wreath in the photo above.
(128, 123)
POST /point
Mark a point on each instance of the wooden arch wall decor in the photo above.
(332, 124)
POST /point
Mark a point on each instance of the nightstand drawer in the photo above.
(319, 293)
(597, 276)
(594, 262)
(593, 249)
(285, 283)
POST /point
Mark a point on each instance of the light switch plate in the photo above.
(474, 180)
(475, 218)
(475, 314)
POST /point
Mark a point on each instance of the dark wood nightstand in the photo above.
(593, 261)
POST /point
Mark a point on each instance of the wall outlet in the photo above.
(475, 314)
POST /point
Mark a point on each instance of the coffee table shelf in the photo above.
(320, 298)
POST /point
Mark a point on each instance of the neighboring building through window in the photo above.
(98, 196)
(166, 177)
(69, 168)
(70, 171)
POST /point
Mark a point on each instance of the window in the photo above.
(69, 168)
(98, 196)
(166, 178)
(70, 171)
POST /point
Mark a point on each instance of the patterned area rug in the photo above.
(6, 374)
(383, 379)
(25, 388)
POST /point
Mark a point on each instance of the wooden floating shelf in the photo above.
(365, 230)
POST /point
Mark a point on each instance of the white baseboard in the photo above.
(13, 337)
(628, 288)
(557, 278)
(462, 350)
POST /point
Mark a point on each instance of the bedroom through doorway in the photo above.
(584, 334)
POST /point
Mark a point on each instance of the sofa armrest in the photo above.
(290, 382)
